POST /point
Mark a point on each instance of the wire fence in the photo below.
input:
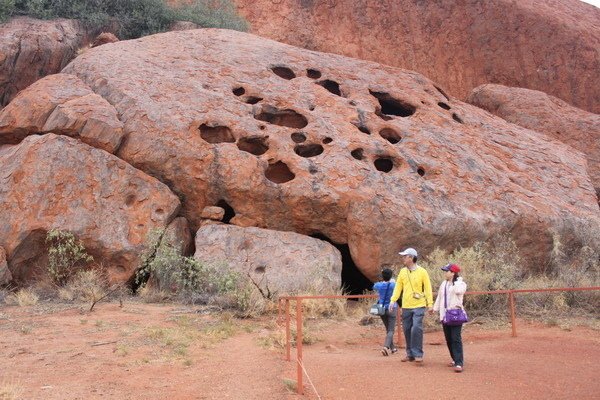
(284, 308)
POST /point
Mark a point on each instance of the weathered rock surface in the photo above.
(58, 182)
(5, 275)
(547, 114)
(547, 45)
(62, 104)
(285, 262)
(365, 154)
(104, 38)
(212, 213)
(178, 236)
(31, 49)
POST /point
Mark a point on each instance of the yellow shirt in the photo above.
(410, 282)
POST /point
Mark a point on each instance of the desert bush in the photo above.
(7, 8)
(23, 297)
(130, 18)
(65, 255)
(10, 390)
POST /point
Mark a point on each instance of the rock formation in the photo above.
(5, 275)
(547, 45)
(364, 154)
(31, 49)
(56, 182)
(282, 262)
(547, 114)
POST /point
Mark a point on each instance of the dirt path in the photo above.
(145, 351)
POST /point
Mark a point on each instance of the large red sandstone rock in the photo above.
(282, 262)
(31, 49)
(365, 154)
(548, 45)
(55, 182)
(62, 104)
(544, 113)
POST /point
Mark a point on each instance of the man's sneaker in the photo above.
(458, 368)
(419, 359)
(394, 350)
(451, 364)
(407, 358)
(385, 351)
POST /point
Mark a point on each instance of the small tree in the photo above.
(65, 253)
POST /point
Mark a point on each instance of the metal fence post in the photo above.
(288, 338)
(300, 386)
(511, 297)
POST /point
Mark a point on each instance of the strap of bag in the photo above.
(410, 280)
(446, 296)
(386, 292)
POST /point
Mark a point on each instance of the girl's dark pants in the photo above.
(454, 342)
(389, 320)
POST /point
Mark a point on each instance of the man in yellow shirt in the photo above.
(415, 287)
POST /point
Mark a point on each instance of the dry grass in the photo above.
(10, 390)
(24, 297)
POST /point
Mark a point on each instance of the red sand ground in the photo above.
(135, 352)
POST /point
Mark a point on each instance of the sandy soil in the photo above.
(145, 351)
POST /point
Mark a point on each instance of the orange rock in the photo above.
(547, 45)
(5, 275)
(365, 154)
(547, 114)
(104, 38)
(56, 182)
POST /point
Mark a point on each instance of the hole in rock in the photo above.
(229, 211)
(279, 172)
(30, 257)
(261, 269)
(252, 100)
(352, 102)
(262, 127)
(298, 137)
(392, 106)
(358, 153)
(312, 169)
(353, 281)
(256, 145)
(361, 127)
(239, 91)
(284, 72)
(457, 118)
(331, 86)
(311, 108)
(327, 140)
(420, 171)
(442, 92)
(384, 164)
(443, 105)
(159, 211)
(390, 135)
(288, 118)
(313, 73)
(308, 150)
(216, 134)
(130, 199)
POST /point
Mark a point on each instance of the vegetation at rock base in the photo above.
(129, 19)
(65, 255)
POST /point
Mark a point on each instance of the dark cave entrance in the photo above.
(353, 281)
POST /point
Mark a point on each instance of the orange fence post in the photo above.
(511, 297)
(400, 340)
(300, 386)
(288, 338)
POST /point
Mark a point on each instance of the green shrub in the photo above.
(65, 255)
(130, 18)
(7, 8)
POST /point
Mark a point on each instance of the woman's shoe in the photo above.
(394, 350)
(458, 368)
(385, 351)
(451, 364)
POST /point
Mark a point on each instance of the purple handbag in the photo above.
(453, 317)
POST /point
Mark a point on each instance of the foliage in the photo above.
(24, 297)
(129, 18)
(7, 8)
(65, 254)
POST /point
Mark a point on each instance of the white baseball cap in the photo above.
(409, 252)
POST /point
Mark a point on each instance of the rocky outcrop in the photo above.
(364, 154)
(31, 49)
(282, 262)
(5, 275)
(56, 182)
(547, 114)
(62, 104)
(104, 38)
(547, 45)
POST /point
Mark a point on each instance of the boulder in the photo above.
(547, 45)
(282, 262)
(56, 182)
(104, 38)
(62, 104)
(31, 49)
(5, 275)
(539, 111)
(212, 213)
(367, 155)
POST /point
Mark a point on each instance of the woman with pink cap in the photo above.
(450, 296)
